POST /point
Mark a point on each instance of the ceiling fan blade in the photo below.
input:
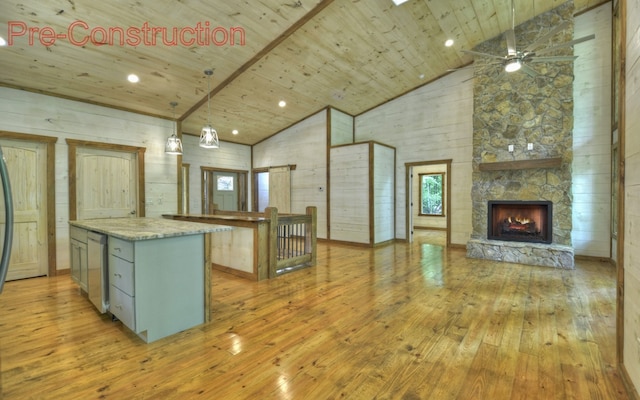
(528, 70)
(544, 38)
(510, 35)
(477, 53)
(552, 59)
(566, 44)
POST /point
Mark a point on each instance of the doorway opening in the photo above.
(223, 189)
(272, 188)
(428, 208)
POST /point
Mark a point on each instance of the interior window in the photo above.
(431, 194)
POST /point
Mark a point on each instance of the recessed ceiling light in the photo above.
(235, 131)
(133, 78)
(398, 2)
(282, 103)
(2, 41)
(449, 43)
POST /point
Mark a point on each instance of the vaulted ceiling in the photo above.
(349, 54)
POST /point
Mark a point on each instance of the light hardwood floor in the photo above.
(397, 322)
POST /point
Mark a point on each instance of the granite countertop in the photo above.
(205, 217)
(146, 228)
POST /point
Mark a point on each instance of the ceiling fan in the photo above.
(517, 59)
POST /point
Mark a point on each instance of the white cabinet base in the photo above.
(167, 276)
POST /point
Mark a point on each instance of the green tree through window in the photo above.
(431, 194)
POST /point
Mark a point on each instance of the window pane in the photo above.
(225, 183)
(431, 194)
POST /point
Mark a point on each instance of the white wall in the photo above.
(341, 127)
(228, 156)
(384, 158)
(305, 145)
(433, 122)
(591, 168)
(31, 113)
(350, 187)
(632, 198)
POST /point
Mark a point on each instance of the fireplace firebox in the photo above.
(521, 221)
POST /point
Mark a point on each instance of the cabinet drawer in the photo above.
(121, 248)
(78, 234)
(121, 275)
(122, 306)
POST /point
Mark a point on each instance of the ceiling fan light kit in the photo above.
(513, 65)
(516, 60)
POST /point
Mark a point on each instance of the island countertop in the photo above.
(146, 228)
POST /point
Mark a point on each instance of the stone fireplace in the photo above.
(523, 150)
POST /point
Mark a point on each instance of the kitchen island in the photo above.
(158, 272)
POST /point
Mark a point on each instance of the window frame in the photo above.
(421, 176)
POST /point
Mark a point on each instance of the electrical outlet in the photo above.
(529, 146)
(510, 148)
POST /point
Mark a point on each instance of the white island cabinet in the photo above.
(158, 273)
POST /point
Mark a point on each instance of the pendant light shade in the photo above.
(174, 144)
(208, 135)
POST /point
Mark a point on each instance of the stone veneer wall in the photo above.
(516, 109)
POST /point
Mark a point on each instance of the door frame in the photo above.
(243, 189)
(73, 148)
(50, 178)
(409, 204)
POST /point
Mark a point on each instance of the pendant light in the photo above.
(174, 144)
(208, 135)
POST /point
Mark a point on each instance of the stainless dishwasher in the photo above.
(97, 276)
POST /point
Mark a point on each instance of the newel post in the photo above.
(311, 233)
(271, 213)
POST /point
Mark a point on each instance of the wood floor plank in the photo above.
(403, 321)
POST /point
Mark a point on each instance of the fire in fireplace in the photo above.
(522, 221)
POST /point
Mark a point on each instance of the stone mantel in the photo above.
(521, 164)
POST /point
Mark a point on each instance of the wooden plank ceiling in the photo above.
(349, 54)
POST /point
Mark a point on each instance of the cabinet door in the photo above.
(79, 264)
(75, 260)
(84, 265)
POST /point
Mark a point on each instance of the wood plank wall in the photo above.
(433, 122)
(36, 114)
(349, 200)
(632, 196)
(341, 127)
(305, 146)
(384, 159)
(229, 156)
(591, 183)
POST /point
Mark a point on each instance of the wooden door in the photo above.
(280, 189)
(225, 190)
(107, 182)
(27, 166)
